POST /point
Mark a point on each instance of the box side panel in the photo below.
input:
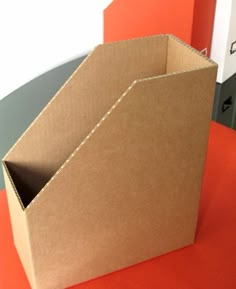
(79, 105)
(19, 227)
(131, 192)
(181, 57)
(129, 19)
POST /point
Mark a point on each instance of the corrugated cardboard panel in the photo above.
(133, 186)
(79, 105)
(19, 227)
(26, 102)
(181, 58)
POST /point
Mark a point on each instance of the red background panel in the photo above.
(128, 19)
(210, 263)
(191, 21)
(204, 12)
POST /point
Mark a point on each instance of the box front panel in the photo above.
(19, 228)
(131, 191)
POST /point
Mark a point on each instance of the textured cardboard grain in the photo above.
(110, 172)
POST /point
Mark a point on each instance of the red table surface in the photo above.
(210, 263)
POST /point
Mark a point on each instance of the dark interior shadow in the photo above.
(22, 177)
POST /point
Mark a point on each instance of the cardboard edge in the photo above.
(29, 269)
(49, 103)
(210, 61)
(205, 159)
(168, 36)
(5, 168)
(209, 64)
(214, 66)
(135, 39)
(32, 263)
(85, 60)
(81, 144)
(129, 89)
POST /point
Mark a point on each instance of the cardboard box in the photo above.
(109, 174)
(224, 103)
(191, 21)
(224, 39)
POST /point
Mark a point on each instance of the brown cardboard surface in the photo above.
(181, 58)
(19, 226)
(110, 173)
(80, 104)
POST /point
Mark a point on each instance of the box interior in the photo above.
(79, 105)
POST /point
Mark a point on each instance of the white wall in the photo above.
(224, 34)
(37, 36)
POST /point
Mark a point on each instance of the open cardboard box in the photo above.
(109, 174)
